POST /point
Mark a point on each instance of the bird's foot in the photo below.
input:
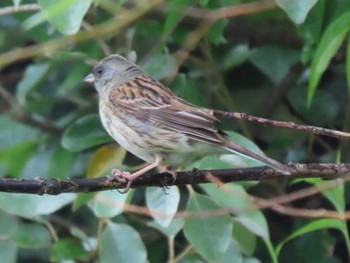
(126, 175)
(169, 169)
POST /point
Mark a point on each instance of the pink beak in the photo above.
(89, 78)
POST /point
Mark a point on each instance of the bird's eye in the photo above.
(99, 70)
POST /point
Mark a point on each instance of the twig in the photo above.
(114, 25)
(57, 186)
(22, 8)
(282, 124)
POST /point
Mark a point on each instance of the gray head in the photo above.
(111, 72)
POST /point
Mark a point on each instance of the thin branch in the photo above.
(114, 25)
(282, 124)
(57, 186)
(22, 8)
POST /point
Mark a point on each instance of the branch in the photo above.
(282, 124)
(57, 186)
(13, 9)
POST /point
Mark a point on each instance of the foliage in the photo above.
(289, 62)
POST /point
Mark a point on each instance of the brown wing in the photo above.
(149, 101)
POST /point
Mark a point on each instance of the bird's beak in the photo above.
(89, 78)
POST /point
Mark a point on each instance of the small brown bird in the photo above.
(150, 121)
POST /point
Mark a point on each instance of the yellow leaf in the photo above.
(105, 159)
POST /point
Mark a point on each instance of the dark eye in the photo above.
(99, 71)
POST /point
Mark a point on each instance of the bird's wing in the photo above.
(148, 101)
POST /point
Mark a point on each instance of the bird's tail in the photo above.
(239, 149)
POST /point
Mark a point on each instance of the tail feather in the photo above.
(238, 149)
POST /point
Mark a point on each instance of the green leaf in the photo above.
(161, 65)
(348, 64)
(233, 253)
(60, 163)
(335, 195)
(84, 133)
(65, 15)
(8, 252)
(163, 203)
(216, 229)
(121, 243)
(274, 61)
(297, 10)
(29, 206)
(31, 236)
(235, 197)
(245, 238)
(172, 229)
(108, 204)
(12, 133)
(236, 56)
(312, 226)
(329, 44)
(81, 199)
(32, 76)
(175, 12)
(68, 248)
(16, 157)
(216, 32)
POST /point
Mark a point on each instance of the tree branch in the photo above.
(42, 186)
(282, 124)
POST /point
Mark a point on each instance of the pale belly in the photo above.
(147, 142)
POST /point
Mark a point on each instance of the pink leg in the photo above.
(132, 177)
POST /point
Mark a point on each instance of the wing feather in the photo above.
(148, 101)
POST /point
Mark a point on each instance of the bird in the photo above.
(150, 121)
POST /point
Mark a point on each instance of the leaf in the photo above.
(233, 253)
(216, 32)
(60, 163)
(216, 229)
(84, 133)
(329, 44)
(12, 133)
(104, 159)
(172, 229)
(31, 236)
(8, 252)
(68, 248)
(236, 56)
(16, 3)
(335, 195)
(175, 12)
(16, 157)
(274, 61)
(121, 243)
(312, 226)
(108, 204)
(348, 64)
(65, 15)
(245, 238)
(160, 65)
(235, 197)
(29, 206)
(163, 203)
(32, 76)
(81, 199)
(297, 10)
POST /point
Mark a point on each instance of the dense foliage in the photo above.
(283, 59)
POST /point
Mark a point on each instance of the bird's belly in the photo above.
(146, 141)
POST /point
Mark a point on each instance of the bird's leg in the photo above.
(132, 177)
